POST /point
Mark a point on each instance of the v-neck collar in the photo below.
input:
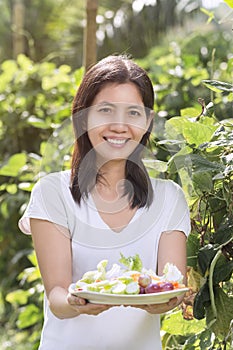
(104, 225)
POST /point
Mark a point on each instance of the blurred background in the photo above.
(51, 30)
(186, 47)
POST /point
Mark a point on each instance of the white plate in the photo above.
(122, 299)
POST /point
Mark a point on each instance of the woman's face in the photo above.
(117, 121)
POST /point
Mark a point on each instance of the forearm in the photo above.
(59, 305)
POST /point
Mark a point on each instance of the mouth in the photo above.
(116, 141)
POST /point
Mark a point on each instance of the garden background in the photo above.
(186, 47)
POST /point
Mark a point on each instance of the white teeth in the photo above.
(117, 141)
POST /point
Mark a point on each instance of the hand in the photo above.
(81, 306)
(159, 308)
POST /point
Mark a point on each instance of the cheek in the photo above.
(94, 134)
(94, 123)
(139, 132)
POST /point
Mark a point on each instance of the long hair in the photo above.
(84, 174)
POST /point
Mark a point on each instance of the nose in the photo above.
(119, 124)
(118, 127)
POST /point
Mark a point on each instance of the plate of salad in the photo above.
(129, 283)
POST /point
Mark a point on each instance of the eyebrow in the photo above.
(106, 103)
(136, 106)
(114, 104)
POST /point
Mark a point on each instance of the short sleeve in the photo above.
(178, 215)
(46, 203)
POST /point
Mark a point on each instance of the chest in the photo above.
(113, 209)
(117, 221)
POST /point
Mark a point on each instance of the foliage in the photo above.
(35, 99)
(202, 162)
(179, 69)
(53, 30)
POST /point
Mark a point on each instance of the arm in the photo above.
(172, 249)
(53, 249)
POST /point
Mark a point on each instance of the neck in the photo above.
(112, 173)
(111, 183)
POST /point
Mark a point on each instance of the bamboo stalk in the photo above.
(89, 49)
(18, 28)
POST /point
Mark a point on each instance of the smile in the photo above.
(116, 141)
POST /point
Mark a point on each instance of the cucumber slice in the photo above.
(132, 288)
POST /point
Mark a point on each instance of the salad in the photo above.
(129, 278)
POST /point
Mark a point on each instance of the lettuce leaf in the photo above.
(132, 262)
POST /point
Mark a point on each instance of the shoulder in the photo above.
(165, 185)
(168, 189)
(53, 184)
(54, 179)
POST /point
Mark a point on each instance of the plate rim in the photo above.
(117, 299)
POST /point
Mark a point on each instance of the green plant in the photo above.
(202, 161)
(35, 100)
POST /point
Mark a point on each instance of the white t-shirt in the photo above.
(119, 328)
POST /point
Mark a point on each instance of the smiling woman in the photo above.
(106, 205)
(111, 80)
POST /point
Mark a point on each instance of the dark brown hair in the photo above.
(84, 175)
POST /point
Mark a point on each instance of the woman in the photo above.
(105, 206)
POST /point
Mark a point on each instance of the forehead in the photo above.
(121, 93)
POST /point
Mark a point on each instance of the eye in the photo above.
(105, 110)
(135, 113)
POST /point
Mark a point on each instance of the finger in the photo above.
(95, 309)
(172, 302)
(73, 300)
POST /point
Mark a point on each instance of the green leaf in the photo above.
(175, 324)
(200, 341)
(223, 270)
(224, 305)
(201, 164)
(197, 133)
(202, 182)
(156, 165)
(225, 142)
(25, 186)
(4, 210)
(218, 86)
(180, 160)
(59, 79)
(131, 262)
(192, 131)
(225, 231)
(14, 165)
(29, 316)
(30, 274)
(19, 297)
(202, 299)
(189, 112)
(174, 128)
(12, 188)
(32, 258)
(205, 256)
(9, 68)
(229, 3)
(38, 123)
(25, 63)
